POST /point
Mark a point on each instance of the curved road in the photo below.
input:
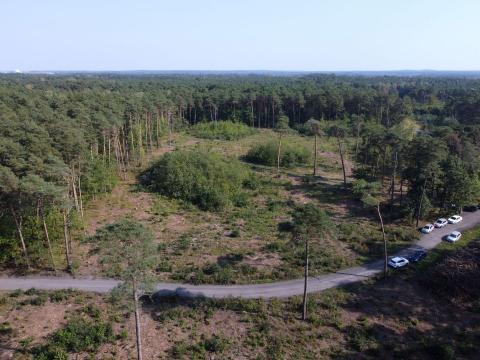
(269, 290)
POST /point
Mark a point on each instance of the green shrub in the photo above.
(5, 329)
(215, 344)
(205, 179)
(221, 130)
(78, 335)
(290, 155)
(39, 300)
(61, 295)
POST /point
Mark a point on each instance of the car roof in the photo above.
(441, 219)
(397, 259)
(454, 216)
(455, 233)
(428, 225)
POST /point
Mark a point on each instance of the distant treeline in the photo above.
(255, 100)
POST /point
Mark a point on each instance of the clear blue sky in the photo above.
(239, 35)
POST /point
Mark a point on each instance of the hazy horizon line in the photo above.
(239, 70)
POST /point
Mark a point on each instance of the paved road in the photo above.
(270, 290)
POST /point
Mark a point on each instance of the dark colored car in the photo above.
(470, 208)
(417, 256)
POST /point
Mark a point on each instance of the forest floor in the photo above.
(407, 315)
(244, 244)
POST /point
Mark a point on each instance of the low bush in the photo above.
(290, 155)
(205, 179)
(79, 335)
(215, 344)
(221, 130)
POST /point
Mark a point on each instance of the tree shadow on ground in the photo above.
(397, 318)
(335, 195)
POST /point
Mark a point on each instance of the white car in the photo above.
(454, 219)
(397, 262)
(427, 229)
(440, 223)
(454, 236)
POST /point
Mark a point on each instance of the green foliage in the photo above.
(221, 130)
(290, 156)
(126, 248)
(366, 192)
(215, 344)
(205, 179)
(282, 125)
(308, 219)
(99, 177)
(79, 335)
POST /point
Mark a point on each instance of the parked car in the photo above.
(454, 219)
(440, 223)
(397, 262)
(427, 229)
(417, 256)
(470, 208)
(454, 236)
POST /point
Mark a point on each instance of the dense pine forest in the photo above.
(65, 140)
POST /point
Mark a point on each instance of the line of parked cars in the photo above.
(440, 223)
(400, 261)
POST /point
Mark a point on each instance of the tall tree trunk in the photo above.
(74, 190)
(419, 209)
(278, 153)
(401, 190)
(104, 148)
(137, 322)
(340, 150)
(157, 131)
(47, 237)
(385, 255)
(251, 109)
(109, 149)
(315, 156)
(67, 241)
(80, 197)
(305, 285)
(394, 174)
(169, 117)
(18, 223)
(356, 142)
(132, 140)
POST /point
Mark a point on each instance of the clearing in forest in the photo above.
(251, 242)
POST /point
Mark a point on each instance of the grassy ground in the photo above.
(400, 317)
(251, 242)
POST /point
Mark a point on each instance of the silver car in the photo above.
(454, 236)
(454, 219)
(440, 223)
